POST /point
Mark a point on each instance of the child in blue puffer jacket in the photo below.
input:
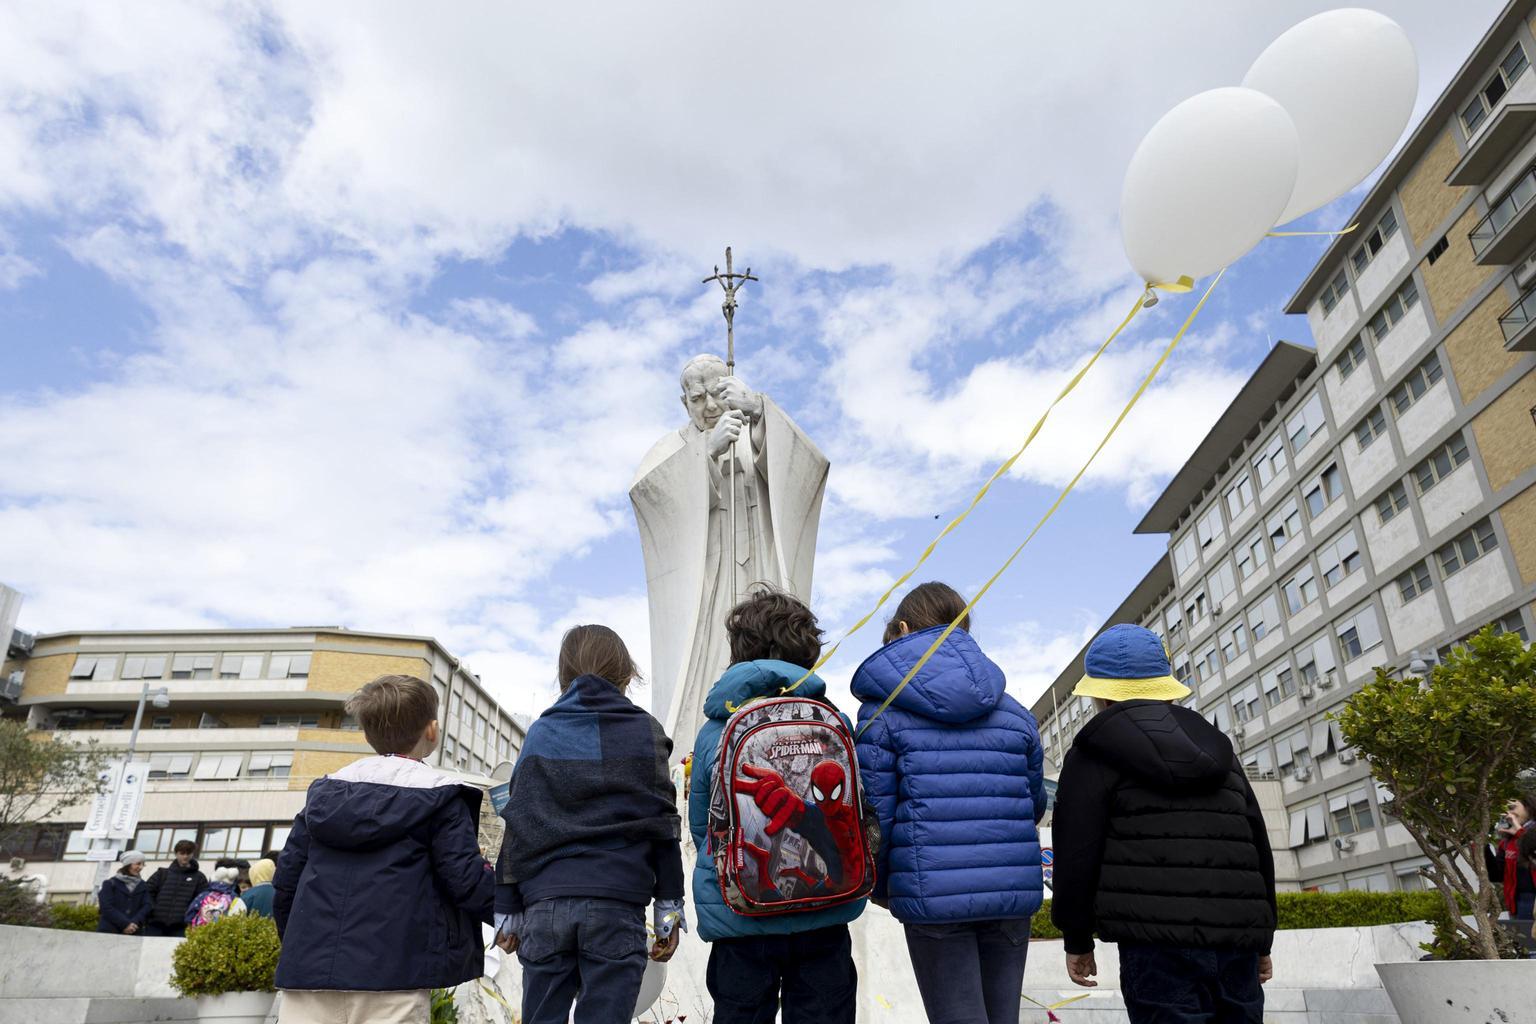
(954, 767)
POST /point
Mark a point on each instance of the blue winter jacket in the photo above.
(121, 905)
(954, 769)
(741, 683)
(381, 885)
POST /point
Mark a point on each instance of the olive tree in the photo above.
(41, 774)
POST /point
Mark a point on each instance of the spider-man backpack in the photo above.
(789, 827)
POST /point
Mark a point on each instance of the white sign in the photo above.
(107, 854)
(98, 821)
(124, 823)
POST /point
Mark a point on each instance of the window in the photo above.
(1370, 428)
(240, 666)
(1240, 496)
(192, 666)
(273, 766)
(349, 723)
(1206, 664)
(1300, 590)
(1284, 526)
(1209, 526)
(1334, 292)
(1462, 551)
(1174, 622)
(456, 707)
(1340, 558)
(1359, 633)
(1221, 584)
(1438, 249)
(1272, 463)
(1305, 423)
(1414, 582)
(280, 834)
(1245, 703)
(159, 843)
(160, 722)
(481, 725)
(1392, 501)
(1351, 359)
(1419, 380)
(1234, 643)
(1184, 553)
(1195, 610)
(1379, 236)
(144, 666)
(1181, 671)
(288, 666)
(1251, 555)
(1314, 659)
(1264, 617)
(1440, 463)
(1392, 311)
(1278, 684)
(296, 720)
(1219, 717)
(1322, 489)
(1351, 812)
(1481, 105)
(219, 766)
(101, 668)
(237, 841)
(169, 766)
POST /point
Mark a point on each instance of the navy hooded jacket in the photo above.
(122, 904)
(381, 885)
(954, 768)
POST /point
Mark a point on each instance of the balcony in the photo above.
(1510, 225)
(1494, 145)
(1518, 323)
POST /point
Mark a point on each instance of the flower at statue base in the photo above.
(1450, 752)
(233, 954)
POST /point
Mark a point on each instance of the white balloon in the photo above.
(650, 986)
(1349, 79)
(1206, 183)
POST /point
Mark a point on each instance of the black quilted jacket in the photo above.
(1158, 837)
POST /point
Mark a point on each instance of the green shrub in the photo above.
(443, 1010)
(19, 906)
(1319, 910)
(233, 954)
(74, 917)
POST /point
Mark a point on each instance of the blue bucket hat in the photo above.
(1127, 662)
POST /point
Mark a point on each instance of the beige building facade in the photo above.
(1370, 501)
(254, 717)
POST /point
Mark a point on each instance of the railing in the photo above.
(1499, 216)
(1517, 317)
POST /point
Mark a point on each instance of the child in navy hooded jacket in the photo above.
(381, 890)
(954, 767)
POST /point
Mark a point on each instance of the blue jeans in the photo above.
(970, 973)
(581, 949)
(1170, 985)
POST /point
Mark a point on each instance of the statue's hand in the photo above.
(727, 430)
(738, 396)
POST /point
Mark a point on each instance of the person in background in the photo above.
(804, 958)
(593, 837)
(1160, 846)
(1506, 862)
(219, 899)
(954, 767)
(124, 898)
(172, 890)
(258, 898)
(381, 889)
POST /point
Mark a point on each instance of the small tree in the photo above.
(39, 774)
(1451, 753)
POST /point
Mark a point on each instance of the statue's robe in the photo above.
(681, 499)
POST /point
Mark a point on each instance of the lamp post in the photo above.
(160, 697)
(1420, 667)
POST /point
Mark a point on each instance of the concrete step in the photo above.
(95, 1010)
(1281, 1006)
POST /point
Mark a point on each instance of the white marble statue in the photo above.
(682, 501)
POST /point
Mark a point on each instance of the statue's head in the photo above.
(701, 390)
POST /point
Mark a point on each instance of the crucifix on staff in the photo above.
(729, 282)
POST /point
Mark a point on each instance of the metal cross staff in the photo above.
(729, 282)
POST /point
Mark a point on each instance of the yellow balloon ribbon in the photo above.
(996, 475)
(1136, 397)
(1309, 234)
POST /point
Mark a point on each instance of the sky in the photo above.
(362, 315)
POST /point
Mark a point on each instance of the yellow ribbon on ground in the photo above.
(1307, 234)
(1136, 397)
(996, 475)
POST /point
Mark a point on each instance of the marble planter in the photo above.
(1448, 991)
(235, 1008)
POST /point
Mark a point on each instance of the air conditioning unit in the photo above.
(1306, 691)
(1303, 773)
(11, 689)
(1239, 731)
(1347, 756)
(1216, 610)
(1343, 844)
(22, 642)
(1329, 679)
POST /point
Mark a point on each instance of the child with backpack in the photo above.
(954, 768)
(776, 809)
(220, 898)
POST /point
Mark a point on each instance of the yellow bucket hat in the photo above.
(1127, 662)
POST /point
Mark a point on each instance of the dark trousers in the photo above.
(811, 972)
(1525, 905)
(1169, 985)
(970, 973)
(581, 949)
(172, 931)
